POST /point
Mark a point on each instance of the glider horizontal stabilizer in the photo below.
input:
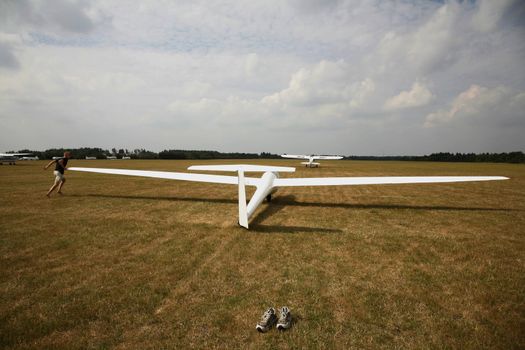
(244, 167)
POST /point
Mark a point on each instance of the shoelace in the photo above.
(284, 313)
(266, 316)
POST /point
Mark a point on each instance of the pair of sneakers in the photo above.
(269, 318)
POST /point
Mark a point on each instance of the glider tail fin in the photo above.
(243, 212)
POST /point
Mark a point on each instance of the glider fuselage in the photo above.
(264, 189)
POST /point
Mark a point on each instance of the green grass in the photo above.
(124, 262)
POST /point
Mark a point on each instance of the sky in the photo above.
(350, 77)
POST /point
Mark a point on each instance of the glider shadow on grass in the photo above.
(279, 202)
(257, 225)
(289, 200)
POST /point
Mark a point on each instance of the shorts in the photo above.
(59, 177)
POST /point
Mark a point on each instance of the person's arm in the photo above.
(48, 164)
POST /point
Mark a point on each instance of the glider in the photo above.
(11, 158)
(270, 181)
(310, 163)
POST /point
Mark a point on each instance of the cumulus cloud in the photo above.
(418, 95)
(325, 83)
(481, 104)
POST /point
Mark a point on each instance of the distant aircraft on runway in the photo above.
(11, 158)
(310, 163)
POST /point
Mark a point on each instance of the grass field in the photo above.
(135, 263)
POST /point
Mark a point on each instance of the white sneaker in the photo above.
(285, 319)
(268, 319)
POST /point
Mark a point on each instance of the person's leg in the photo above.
(61, 184)
(58, 178)
(51, 189)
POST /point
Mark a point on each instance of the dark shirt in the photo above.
(59, 167)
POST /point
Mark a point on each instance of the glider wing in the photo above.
(328, 157)
(295, 156)
(14, 154)
(218, 179)
(341, 181)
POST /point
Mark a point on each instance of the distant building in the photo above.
(126, 157)
(90, 158)
(111, 157)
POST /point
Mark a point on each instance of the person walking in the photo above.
(60, 168)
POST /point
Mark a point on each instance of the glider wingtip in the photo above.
(499, 178)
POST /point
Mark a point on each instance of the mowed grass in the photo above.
(135, 263)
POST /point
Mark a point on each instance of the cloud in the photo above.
(418, 95)
(325, 83)
(7, 58)
(314, 6)
(427, 47)
(322, 75)
(481, 104)
(489, 13)
(60, 17)
(319, 96)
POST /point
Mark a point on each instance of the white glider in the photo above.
(310, 163)
(269, 182)
(11, 158)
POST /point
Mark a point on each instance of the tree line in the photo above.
(203, 154)
(505, 157)
(141, 153)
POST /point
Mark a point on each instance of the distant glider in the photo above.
(310, 163)
(11, 158)
(269, 182)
